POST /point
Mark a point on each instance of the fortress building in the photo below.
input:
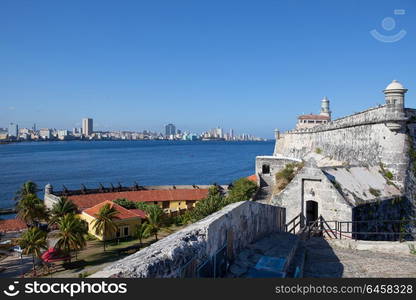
(344, 168)
(311, 120)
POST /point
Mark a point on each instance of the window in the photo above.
(118, 233)
(265, 169)
(126, 231)
(165, 204)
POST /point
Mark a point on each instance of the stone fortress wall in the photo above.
(365, 138)
(214, 240)
(382, 136)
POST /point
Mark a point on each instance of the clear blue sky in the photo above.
(249, 65)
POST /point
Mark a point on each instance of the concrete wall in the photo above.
(331, 204)
(236, 226)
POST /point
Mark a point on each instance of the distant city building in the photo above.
(13, 130)
(45, 133)
(170, 129)
(63, 134)
(87, 126)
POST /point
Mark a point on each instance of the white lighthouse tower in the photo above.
(325, 111)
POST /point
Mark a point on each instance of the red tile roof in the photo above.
(313, 117)
(89, 200)
(12, 225)
(123, 213)
(252, 178)
(139, 212)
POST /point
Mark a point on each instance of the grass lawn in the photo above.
(93, 258)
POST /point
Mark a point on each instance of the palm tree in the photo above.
(104, 221)
(61, 208)
(141, 232)
(154, 217)
(28, 188)
(31, 209)
(32, 242)
(71, 235)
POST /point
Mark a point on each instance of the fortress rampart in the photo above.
(371, 137)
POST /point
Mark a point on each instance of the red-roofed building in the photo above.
(126, 220)
(12, 226)
(252, 178)
(309, 121)
(169, 200)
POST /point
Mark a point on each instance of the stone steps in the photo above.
(297, 266)
(271, 256)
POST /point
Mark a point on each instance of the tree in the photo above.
(104, 221)
(125, 203)
(212, 203)
(31, 209)
(28, 188)
(154, 217)
(242, 190)
(142, 206)
(142, 231)
(71, 235)
(61, 208)
(32, 242)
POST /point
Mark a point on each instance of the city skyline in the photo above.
(253, 68)
(15, 133)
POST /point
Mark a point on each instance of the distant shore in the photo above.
(143, 140)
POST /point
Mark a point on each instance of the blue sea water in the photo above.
(147, 162)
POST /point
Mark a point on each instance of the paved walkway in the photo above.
(322, 260)
(15, 266)
(278, 245)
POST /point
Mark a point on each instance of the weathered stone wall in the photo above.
(236, 226)
(275, 164)
(363, 138)
(331, 204)
(50, 200)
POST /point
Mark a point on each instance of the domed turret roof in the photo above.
(395, 85)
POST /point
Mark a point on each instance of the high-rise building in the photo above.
(87, 126)
(45, 133)
(13, 130)
(170, 129)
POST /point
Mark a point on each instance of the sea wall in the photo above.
(186, 252)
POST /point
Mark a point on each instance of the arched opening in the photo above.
(265, 169)
(311, 211)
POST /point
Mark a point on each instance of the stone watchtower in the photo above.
(394, 95)
(325, 111)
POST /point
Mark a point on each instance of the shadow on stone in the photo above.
(321, 260)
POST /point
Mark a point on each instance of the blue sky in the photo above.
(249, 65)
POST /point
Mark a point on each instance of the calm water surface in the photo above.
(147, 162)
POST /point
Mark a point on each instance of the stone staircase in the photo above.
(275, 256)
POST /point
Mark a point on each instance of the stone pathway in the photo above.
(275, 245)
(264, 195)
(322, 260)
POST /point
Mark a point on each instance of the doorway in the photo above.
(311, 211)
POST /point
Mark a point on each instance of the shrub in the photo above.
(125, 203)
(318, 150)
(142, 206)
(242, 190)
(285, 176)
(374, 192)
